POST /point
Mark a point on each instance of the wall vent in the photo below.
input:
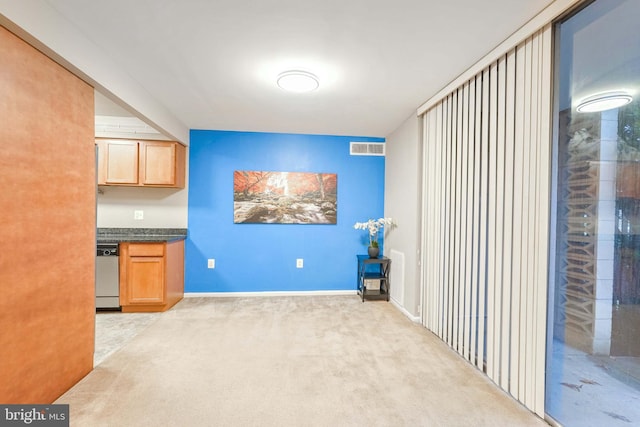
(367, 148)
(397, 290)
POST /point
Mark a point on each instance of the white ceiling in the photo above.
(213, 63)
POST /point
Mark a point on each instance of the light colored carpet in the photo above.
(288, 361)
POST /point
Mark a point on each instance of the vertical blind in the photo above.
(486, 201)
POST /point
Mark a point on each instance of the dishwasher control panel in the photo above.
(107, 249)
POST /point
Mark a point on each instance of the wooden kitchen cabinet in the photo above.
(158, 163)
(151, 276)
(120, 165)
(141, 163)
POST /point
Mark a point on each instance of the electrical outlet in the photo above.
(138, 214)
(299, 263)
(211, 263)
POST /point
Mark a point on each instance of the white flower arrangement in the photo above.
(374, 226)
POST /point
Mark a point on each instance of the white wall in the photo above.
(402, 202)
(162, 207)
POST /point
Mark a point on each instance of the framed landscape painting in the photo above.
(284, 197)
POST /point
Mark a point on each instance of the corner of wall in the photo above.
(402, 202)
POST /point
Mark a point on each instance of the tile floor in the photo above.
(114, 329)
(588, 390)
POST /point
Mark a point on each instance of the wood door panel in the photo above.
(145, 280)
(158, 163)
(146, 249)
(121, 161)
(47, 174)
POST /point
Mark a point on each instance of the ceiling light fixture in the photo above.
(604, 101)
(298, 81)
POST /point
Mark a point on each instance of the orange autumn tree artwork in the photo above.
(284, 197)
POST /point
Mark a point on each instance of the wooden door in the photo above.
(158, 163)
(143, 274)
(120, 162)
(145, 281)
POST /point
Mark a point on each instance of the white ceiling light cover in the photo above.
(298, 81)
(604, 101)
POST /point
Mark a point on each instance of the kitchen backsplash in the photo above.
(105, 231)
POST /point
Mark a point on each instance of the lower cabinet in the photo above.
(151, 276)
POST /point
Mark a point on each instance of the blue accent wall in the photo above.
(262, 257)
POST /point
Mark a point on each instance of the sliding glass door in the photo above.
(593, 357)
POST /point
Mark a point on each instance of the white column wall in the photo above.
(402, 202)
(606, 232)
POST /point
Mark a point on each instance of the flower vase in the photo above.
(373, 252)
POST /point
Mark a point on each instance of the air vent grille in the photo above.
(367, 148)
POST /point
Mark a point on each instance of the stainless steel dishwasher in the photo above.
(107, 277)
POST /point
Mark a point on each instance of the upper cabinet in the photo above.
(118, 162)
(141, 163)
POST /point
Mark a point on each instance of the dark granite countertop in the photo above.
(147, 235)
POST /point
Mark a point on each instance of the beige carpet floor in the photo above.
(288, 361)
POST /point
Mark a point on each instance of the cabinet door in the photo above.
(145, 280)
(120, 162)
(158, 163)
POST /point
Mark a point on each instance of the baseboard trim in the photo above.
(415, 319)
(266, 294)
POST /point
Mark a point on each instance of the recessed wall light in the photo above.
(604, 101)
(298, 81)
